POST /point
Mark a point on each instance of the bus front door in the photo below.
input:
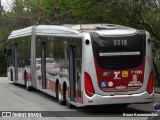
(72, 77)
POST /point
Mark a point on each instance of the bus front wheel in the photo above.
(59, 96)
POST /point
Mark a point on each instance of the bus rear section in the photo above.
(118, 69)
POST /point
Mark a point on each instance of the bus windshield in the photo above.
(122, 52)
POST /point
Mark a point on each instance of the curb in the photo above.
(157, 95)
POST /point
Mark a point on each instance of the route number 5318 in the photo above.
(120, 42)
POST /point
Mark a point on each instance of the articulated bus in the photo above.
(83, 64)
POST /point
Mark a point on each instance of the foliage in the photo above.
(140, 14)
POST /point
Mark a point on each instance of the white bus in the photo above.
(85, 64)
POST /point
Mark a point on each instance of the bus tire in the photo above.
(57, 84)
(68, 104)
(64, 93)
(25, 78)
(11, 75)
(12, 78)
(27, 86)
(60, 99)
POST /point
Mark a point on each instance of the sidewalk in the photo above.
(157, 89)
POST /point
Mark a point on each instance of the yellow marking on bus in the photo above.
(124, 73)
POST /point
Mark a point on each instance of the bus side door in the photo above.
(72, 72)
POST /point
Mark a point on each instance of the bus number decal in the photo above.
(137, 72)
(120, 42)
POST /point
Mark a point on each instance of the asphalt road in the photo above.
(16, 98)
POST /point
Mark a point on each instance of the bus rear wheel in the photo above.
(59, 96)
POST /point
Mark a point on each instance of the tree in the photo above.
(140, 14)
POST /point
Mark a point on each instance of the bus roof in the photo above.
(72, 29)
